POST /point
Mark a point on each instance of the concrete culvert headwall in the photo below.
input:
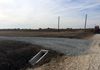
(38, 57)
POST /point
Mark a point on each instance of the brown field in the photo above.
(47, 33)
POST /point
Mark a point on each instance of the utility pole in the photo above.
(58, 23)
(85, 22)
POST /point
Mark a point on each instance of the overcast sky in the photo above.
(44, 13)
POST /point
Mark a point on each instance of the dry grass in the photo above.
(15, 55)
(63, 34)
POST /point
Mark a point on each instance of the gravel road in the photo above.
(62, 45)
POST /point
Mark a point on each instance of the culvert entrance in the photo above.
(38, 57)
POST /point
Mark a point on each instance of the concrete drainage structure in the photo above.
(38, 57)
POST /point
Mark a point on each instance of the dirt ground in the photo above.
(90, 61)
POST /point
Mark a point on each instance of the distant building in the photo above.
(97, 29)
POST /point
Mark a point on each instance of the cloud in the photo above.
(90, 6)
(77, 6)
(6, 1)
(44, 12)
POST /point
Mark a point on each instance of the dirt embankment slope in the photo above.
(15, 54)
